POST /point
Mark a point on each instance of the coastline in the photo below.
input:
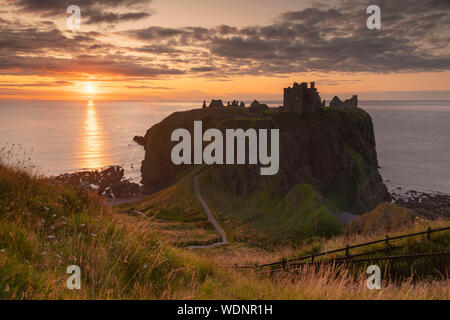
(109, 183)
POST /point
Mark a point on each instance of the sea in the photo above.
(412, 137)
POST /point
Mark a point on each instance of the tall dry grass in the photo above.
(246, 254)
(328, 282)
(45, 228)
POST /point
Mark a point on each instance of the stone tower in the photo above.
(301, 99)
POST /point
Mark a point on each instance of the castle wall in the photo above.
(301, 99)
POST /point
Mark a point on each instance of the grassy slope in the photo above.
(175, 212)
(45, 228)
(267, 218)
(400, 224)
(386, 217)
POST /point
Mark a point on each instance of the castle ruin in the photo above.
(301, 99)
(219, 104)
(349, 103)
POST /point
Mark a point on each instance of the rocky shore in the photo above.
(109, 182)
(428, 204)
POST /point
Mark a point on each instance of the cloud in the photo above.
(203, 69)
(36, 84)
(415, 36)
(40, 38)
(97, 16)
(92, 11)
(83, 65)
(149, 87)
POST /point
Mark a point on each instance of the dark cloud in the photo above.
(158, 49)
(92, 11)
(97, 16)
(39, 51)
(36, 84)
(415, 36)
(39, 39)
(82, 65)
(203, 69)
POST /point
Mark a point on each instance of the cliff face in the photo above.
(332, 150)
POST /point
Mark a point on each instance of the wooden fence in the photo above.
(348, 258)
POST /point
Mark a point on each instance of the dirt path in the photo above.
(211, 217)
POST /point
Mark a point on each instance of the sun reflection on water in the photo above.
(92, 146)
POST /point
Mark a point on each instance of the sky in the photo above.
(194, 50)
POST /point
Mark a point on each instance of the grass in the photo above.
(322, 283)
(173, 214)
(265, 217)
(175, 203)
(45, 228)
(386, 217)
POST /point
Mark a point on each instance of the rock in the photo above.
(430, 205)
(333, 150)
(139, 140)
(109, 182)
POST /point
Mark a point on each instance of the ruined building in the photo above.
(258, 107)
(349, 103)
(219, 104)
(302, 99)
(216, 104)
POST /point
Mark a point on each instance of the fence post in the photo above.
(312, 258)
(347, 251)
(284, 264)
(387, 239)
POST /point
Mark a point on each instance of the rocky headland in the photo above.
(333, 150)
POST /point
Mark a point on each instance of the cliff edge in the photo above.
(332, 150)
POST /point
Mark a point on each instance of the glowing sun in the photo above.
(89, 88)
